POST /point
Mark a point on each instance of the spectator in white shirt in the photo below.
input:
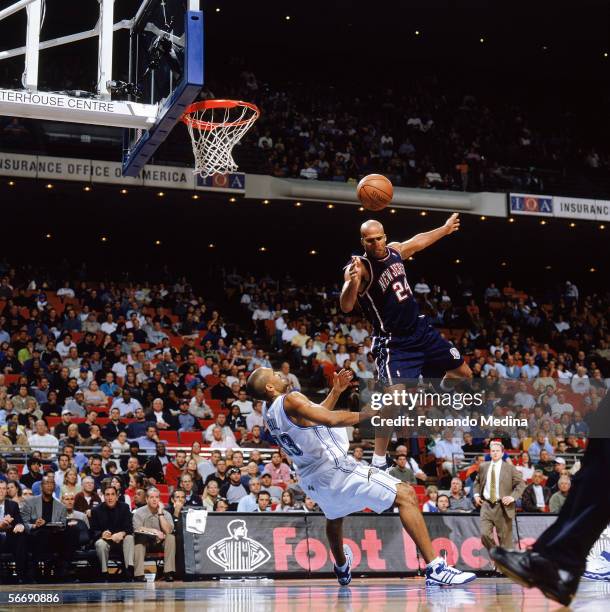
(286, 374)
(245, 405)
(109, 325)
(63, 348)
(561, 406)
(227, 434)
(289, 333)
(198, 407)
(422, 288)
(262, 313)
(358, 333)
(523, 398)
(256, 416)
(448, 450)
(580, 381)
(120, 367)
(43, 441)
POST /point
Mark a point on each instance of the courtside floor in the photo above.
(370, 595)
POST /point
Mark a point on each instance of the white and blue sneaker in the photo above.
(345, 576)
(438, 573)
(599, 567)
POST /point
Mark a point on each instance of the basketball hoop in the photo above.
(215, 127)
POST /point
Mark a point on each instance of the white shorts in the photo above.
(349, 488)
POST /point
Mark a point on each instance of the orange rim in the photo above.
(212, 104)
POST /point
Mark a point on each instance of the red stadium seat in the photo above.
(53, 420)
(169, 436)
(188, 437)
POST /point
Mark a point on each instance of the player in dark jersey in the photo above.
(405, 345)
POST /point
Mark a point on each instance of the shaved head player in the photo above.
(405, 345)
(314, 436)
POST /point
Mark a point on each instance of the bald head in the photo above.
(373, 238)
(257, 382)
(371, 227)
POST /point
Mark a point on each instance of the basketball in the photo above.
(375, 192)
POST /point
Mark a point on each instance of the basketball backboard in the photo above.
(164, 66)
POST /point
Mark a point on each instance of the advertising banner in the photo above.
(87, 170)
(559, 206)
(288, 543)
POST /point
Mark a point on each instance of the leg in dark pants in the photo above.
(585, 514)
(15, 545)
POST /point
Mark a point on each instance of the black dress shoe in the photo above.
(139, 579)
(169, 577)
(531, 569)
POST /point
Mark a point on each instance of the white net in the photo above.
(214, 132)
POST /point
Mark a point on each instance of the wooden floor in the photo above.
(363, 595)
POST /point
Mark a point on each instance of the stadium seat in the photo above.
(169, 436)
(188, 437)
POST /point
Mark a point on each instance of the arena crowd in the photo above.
(123, 405)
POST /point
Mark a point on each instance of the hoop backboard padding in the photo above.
(215, 126)
(167, 67)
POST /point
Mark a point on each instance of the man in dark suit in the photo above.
(12, 532)
(160, 416)
(497, 486)
(112, 528)
(536, 496)
(44, 518)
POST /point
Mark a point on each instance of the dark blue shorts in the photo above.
(403, 359)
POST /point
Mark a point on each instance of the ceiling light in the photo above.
(161, 194)
(86, 188)
(48, 236)
(218, 9)
(481, 40)
(287, 17)
(393, 211)
(104, 239)
(417, 32)
(298, 204)
(511, 219)
(211, 245)
(602, 227)
(592, 270)
(123, 191)
(483, 217)
(423, 213)
(330, 206)
(457, 261)
(11, 183)
(361, 209)
(263, 249)
(504, 264)
(232, 200)
(157, 242)
(195, 196)
(265, 201)
(411, 258)
(543, 222)
(49, 185)
(313, 252)
(572, 224)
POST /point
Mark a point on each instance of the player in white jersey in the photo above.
(315, 438)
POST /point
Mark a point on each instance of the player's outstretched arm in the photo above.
(352, 279)
(419, 242)
(341, 382)
(305, 413)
